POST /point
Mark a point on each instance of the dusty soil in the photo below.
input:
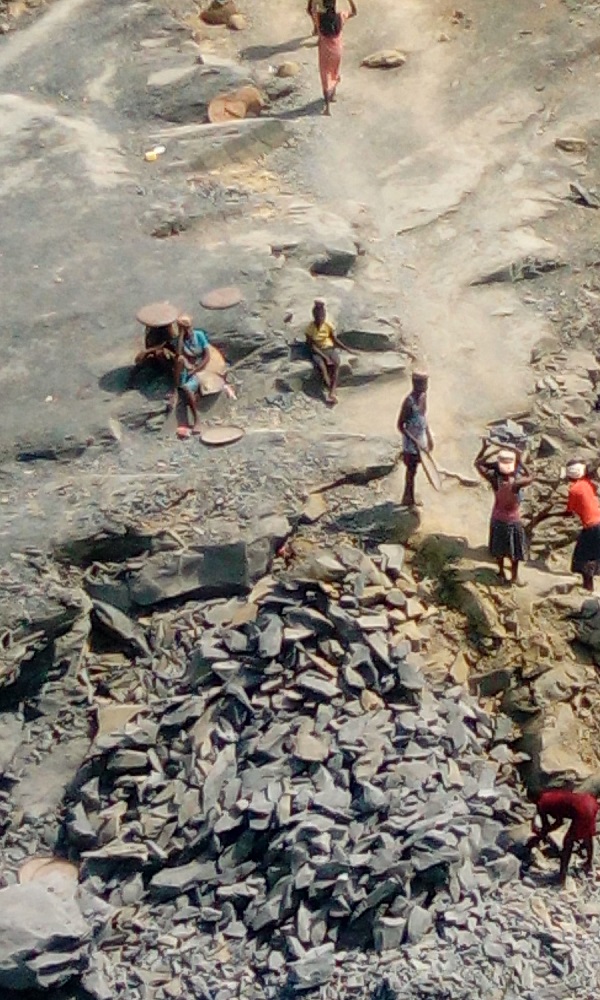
(448, 165)
(440, 173)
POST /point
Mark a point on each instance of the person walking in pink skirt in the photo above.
(330, 26)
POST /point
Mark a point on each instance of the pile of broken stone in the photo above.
(294, 807)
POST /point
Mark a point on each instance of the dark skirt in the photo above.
(586, 555)
(508, 540)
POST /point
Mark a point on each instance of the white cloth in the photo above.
(575, 470)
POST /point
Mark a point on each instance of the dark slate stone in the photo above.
(171, 882)
(315, 969)
(222, 770)
(270, 637)
(234, 641)
(378, 643)
(419, 922)
(316, 684)
(309, 618)
(410, 678)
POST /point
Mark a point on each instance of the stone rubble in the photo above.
(279, 800)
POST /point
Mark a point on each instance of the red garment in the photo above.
(330, 57)
(583, 501)
(506, 504)
(580, 807)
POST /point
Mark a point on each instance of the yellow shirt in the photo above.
(320, 336)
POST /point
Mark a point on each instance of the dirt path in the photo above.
(40, 32)
(450, 161)
(445, 168)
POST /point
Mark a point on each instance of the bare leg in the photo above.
(408, 497)
(566, 857)
(588, 581)
(589, 855)
(514, 571)
(327, 99)
(190, 398)
(324, 371)
(501, 568)
(333, 372)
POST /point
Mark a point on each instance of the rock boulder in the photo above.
(44, 939)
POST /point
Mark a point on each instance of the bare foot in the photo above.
(327, 111)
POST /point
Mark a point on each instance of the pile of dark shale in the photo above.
(277, 800)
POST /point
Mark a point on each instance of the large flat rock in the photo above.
(43, 936)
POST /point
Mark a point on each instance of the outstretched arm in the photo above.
(353, 10)
(480, 462)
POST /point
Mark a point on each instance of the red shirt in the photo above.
(583, 501)
(506, 505)
(580, 807)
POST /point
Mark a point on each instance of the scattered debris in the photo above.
(582, 196)
(571, 145)
(385, 59)
(288, 69)
(219, 12)
(526, 269)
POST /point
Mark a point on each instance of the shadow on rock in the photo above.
(268, 51)
(384, 522)
(304, 111)
(150, 381)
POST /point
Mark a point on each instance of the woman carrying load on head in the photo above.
(507, 476)
(330, 25)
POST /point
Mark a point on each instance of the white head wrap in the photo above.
(506, 461)
(575, 470)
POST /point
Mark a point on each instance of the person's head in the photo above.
(319, 312)
(576, 469)
(184, 324)
(420, 381)
(506, 462)
(330, 23)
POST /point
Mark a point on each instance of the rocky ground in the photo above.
(281, 729)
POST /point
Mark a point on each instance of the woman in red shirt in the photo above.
(583, 502)
(330, 26)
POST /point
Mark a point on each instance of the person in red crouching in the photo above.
(553, 808)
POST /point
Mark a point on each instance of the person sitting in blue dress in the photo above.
(192, 356)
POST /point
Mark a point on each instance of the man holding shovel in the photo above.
(416, 435)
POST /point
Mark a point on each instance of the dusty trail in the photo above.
(40, 32)
(448, 162)
(444, 204)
